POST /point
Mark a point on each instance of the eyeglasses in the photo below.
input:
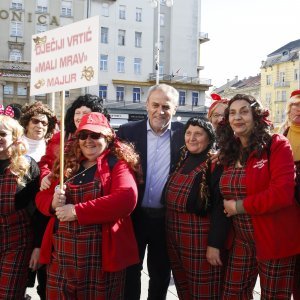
(216, 115)
(83, 135)
(37, 121)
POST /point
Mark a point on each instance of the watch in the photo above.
(74, 212)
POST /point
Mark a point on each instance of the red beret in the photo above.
(294, 93)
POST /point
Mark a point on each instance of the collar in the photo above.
(150, 129)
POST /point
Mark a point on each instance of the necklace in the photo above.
(69, 179)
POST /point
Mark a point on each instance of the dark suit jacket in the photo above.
(136, 133)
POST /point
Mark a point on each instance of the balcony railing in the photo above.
(278, 84)
(180, 79)
(14, 66)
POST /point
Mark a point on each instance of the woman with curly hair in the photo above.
(93, 238)
(81, 106)
(19, 184)
(258, 187)
(192, 201)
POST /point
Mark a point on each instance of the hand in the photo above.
(46, 182)
(59, 198)
(34, 259)
(213, 256)
(65, 213)
(214, 157)
(230, 208)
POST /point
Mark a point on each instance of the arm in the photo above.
(279, 193)
(119, 203)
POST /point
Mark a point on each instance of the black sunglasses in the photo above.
(83, 135)
(37, 121)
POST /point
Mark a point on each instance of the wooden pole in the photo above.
(62, 140)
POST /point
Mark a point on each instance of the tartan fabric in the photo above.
(187, 236)
(76, 271)
(16, 242)
(276, 275)
(296, 288)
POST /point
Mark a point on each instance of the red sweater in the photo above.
(119, 248)
(270, 201)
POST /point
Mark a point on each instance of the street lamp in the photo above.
(157, 3)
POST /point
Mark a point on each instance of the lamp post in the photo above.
(157, 3)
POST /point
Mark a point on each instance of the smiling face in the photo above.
(37, 127)
(196, 139)
(6, 140)
(160, 111)
(79, 113)
(92, 148)
(217, 114)
(241, 120)
(294, 114)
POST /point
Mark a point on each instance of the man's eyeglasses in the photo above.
(37, 121)
(83, 135)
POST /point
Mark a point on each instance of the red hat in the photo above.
(217, 100)
(295, 93)
(95, 122)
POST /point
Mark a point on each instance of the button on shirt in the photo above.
(158, 166)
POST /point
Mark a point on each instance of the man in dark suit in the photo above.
(158, 141)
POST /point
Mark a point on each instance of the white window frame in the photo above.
(42, 6)
(22, 89)
(104, 35)
(195, 98)
(121, 64)
(103, 62)
(8, 89)
(41, 28)
(120, 93)
(138, 14)
(162, 20)
(15, 55)
(103, 92)
(138, 39)
(16, 28)
(105, 10)
(17, 4)
(268, 79)
(122, 12)
(136, 95)
(137, 65)
(182, 98)
(121, 37)
(66, 8)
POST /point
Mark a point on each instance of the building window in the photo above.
(122, 12)
(162, 44)
(137, 65)
(121, 64)
(16, 28)
(8, 89)
(67, 94)
(104, 35)
(42, 6)
(136, 94)
(269, 79)
(195, 98)
(278, 96)
(22, 89)
(182, 98)
(138, 39)
(105, 10)
(283, 96)
(138, 14)
(41, 28)
(281, 77)
(162, 19)
(268, 100)
(120, 93)
(15, 55)
(296, 74)
(66, 8)
(121, 37)
(17, 4)
(161, 68)
(103, 62)
(103, 92)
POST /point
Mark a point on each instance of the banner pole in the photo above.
(62, 140)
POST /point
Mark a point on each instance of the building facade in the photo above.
(128, 45)
(279, 77)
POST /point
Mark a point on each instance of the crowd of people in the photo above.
(215, 201)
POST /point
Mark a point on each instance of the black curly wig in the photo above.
(93, 102)
(230, 146)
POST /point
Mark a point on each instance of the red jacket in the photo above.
(119, 248)
(270, 201)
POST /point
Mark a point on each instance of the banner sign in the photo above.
(65, 58)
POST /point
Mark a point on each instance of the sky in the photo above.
(242, 33)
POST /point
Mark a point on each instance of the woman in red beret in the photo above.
(215, 113)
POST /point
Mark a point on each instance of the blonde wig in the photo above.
(287, 121)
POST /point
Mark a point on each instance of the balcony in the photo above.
(14, 69)
(203, 37)
(280, 84)
(180, 79)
